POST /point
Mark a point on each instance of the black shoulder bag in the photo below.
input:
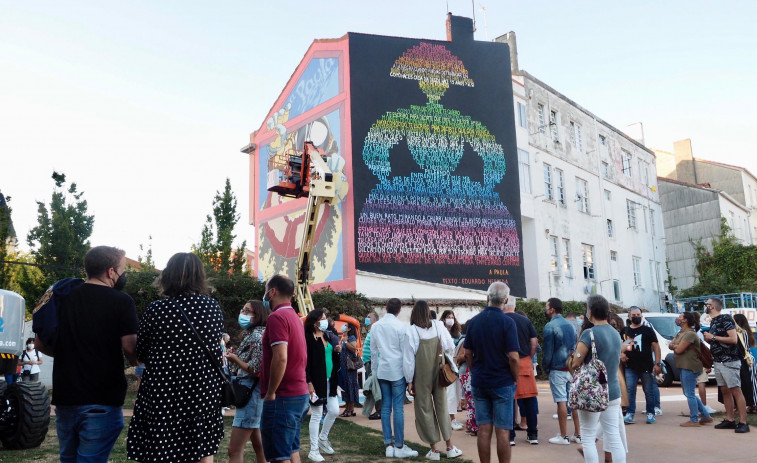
(232, 393)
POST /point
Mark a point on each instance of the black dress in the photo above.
(177, 415)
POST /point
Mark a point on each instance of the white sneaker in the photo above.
(314, 455)
(433, 456)
(389, 451)
(325, 446)
(576, 439)
(657, 411)
(709, 409)
(570, 417)
(559, 440)
(454, 452)
(404, 452)
(554, 417)
(456, 425)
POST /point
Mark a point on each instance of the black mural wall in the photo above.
(435, 161)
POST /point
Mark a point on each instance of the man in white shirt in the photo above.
(387, 347)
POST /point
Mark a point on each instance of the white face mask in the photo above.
(450, 322)
(30, 346)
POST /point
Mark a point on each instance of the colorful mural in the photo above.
(312, 107)
(432, 203)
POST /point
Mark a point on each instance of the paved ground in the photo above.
(665, 441)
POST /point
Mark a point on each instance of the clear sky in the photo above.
(145, 104)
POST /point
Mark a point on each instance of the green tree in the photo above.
(216, 247)
(7, 239)
(146, 261)
(61, 238)
(729, 268)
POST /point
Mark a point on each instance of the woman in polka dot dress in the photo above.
(177, 415)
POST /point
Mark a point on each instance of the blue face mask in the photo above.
(266, 302)
(367, 321)
(345, 328)
(323, 325)
(244, 320)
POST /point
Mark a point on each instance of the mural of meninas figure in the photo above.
(435, 216)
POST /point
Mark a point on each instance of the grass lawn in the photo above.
(351, 442)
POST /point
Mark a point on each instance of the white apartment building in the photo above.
(591, 212)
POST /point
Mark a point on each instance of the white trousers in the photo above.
(453, 397)
(316, 413)
(610, 428)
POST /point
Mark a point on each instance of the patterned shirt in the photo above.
(722, 352)
(251, 350)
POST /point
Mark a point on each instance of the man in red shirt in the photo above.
(282, 376)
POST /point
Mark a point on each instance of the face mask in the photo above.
(636, 320)
(344, 328)
(367, 321)
(121, 282)
(450, 322)
(30, 346)
(707, 309)
(323, 325)
(266, 302)
(244, 320)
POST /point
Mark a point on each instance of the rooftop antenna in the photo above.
(486, 24)
(473, 4)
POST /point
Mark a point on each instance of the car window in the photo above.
(665, 326)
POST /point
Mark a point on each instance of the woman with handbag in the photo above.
(748, 371)
(686, 346)
(177, 414)
(247, 360)
(321, 374)
(454, 390)
(350, 363)
(426, 342)
(605, 341)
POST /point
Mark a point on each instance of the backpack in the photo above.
(705, 356)
(45, 317)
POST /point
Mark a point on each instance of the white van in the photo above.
(664, 326)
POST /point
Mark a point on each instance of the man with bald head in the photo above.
(491, 351)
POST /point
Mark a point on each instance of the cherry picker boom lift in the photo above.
(298, 174)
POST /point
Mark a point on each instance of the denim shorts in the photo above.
(559, 383)
(280, 426)
(728, 373)
(248, 417)
(494, 405)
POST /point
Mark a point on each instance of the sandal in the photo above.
(345, 414)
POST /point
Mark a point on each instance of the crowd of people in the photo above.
(293, 368)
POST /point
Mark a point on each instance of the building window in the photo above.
(608, 195)
(582, 195)
(548, 182)
(651, 275)
(522, 115)
(602, 140)
(637, 271)
(588, 258)
(555, 254)
(524, 171)
(614, 256)
(644, 172)
(631, 212)
(651, 221)
(553, 126)
(616, 289)
(605, 170)
(626, 158)
(542, 118)
(646, 225)
(567, 264)
(560, 180)
(575, 136)
(610, 228)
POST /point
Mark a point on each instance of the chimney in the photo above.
(686, 168)
(509, 39)
(459, 28)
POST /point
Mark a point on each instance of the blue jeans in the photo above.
(280, 426)
(393, 400)
(87, 433)
(689, 386)
(494, 405)
(647, 385)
